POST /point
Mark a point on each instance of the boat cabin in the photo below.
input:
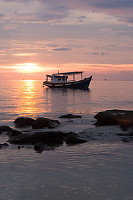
(62, 77)
(56, 78)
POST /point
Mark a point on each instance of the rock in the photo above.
(42, 122)
(70, 116)
(4, 145)
(115, 117)
(49, 138)
(6, 129)
(39, 123)
(73, 138)
(15, 133)
(23, 121)
(9, 131)
(39, 148)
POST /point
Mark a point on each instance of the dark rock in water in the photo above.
(39, 123)
(39, 148)
(115, 117)
(73, 138)
(23, 121)
(3, 145)
(42, 122)
(9, 131)
(70, 116)
(49, 138)
(15, 133)
(6, 129)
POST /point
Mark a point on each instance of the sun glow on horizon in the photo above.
(28, 68)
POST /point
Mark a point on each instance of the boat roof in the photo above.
(65, 73)
(69, 73)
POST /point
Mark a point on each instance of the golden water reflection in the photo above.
(27, 102)
(32, 100)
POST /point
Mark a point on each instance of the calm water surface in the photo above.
(31, 99)
(94, 171)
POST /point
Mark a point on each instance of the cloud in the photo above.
(76, 4)
(63, 11)
(112, 4)
(98, 53)
(62, 49)
(2, 15)
(128, 20)
(54, 10)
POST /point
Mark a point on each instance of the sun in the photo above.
(28, 68)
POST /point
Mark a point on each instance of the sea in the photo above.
(100, 169)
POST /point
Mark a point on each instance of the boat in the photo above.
(61, 80)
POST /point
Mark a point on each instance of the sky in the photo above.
(39, 37)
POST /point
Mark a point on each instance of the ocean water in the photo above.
(96, 170)
(29, 98)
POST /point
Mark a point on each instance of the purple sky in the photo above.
(42, 36)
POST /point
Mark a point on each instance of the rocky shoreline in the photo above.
(44, 133)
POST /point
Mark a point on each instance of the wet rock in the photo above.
(15, 133)
(42, 122)
(115, 117)
(39, 148)
(70, 116)
(9, 131)
(49, 138)
(23, 121)
(4, 145)
(5, 129)
(73, 138)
